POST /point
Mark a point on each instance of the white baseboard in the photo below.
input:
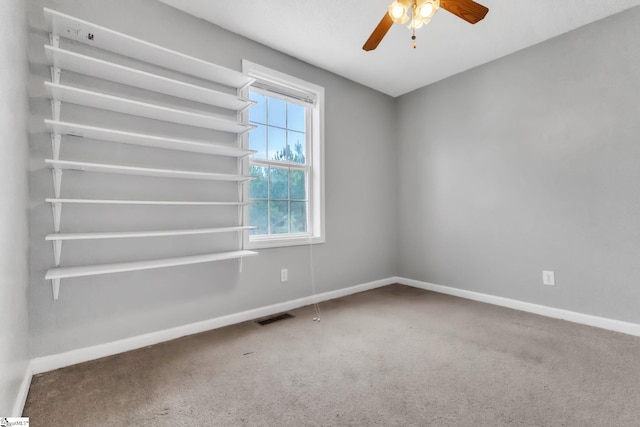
(21, 398)
(557, 313)
(56, 361)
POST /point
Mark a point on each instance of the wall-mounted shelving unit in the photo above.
(68, 28)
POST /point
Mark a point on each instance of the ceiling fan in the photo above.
(422, 11)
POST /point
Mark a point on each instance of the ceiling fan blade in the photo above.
(378, 34)
(468, 10)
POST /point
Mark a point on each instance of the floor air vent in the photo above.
(276, 318)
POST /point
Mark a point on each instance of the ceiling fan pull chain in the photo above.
(413, 23)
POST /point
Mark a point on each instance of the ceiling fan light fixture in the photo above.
(399, 11)
(420, 13)
(425, 9)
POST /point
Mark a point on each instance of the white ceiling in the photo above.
(330, 34)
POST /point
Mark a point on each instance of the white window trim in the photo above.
(316, 197)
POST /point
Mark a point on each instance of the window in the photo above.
(287, 194)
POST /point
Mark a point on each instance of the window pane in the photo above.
(297, 185)
(258, 217)
(279, 217)
(258, 188)
(298, 217)
(297, 148)
(279, 183)
(277, 144)
(258, 113)
(258, 141)
(277, 113)
(295, 117)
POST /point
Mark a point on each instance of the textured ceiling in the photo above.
(330, 34)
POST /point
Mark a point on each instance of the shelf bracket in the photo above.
(55, 71)
(55, 145)
(244, 131)
(54, 40)
(55, 288)
(57, 251)
(240, 264)
(55, 109)
(243, 109)
(57, 214)
(240, 232)
(57, 181)
(242, 88)
(55, 75)
(241, 192)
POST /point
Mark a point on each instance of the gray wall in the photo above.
(530, 163)
(361, 244)
(14, 186)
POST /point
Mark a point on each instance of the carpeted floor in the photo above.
(394, 356)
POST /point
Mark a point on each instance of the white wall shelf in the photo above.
(55, 274)
(145, 202)
(94, 35)
(56, 206)
(103, 101)
(152, 80)
(133, 234)
(72, 61)
(113, 135)
(58, 238)
(135, 170)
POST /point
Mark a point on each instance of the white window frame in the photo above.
(315, 211)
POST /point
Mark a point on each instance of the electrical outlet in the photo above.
(548, 278)
(284, 275)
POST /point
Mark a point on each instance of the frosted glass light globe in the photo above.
(397, 11)
(426, 10)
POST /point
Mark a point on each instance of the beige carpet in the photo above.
(395, 356)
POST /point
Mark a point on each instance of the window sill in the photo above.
(266, 243)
